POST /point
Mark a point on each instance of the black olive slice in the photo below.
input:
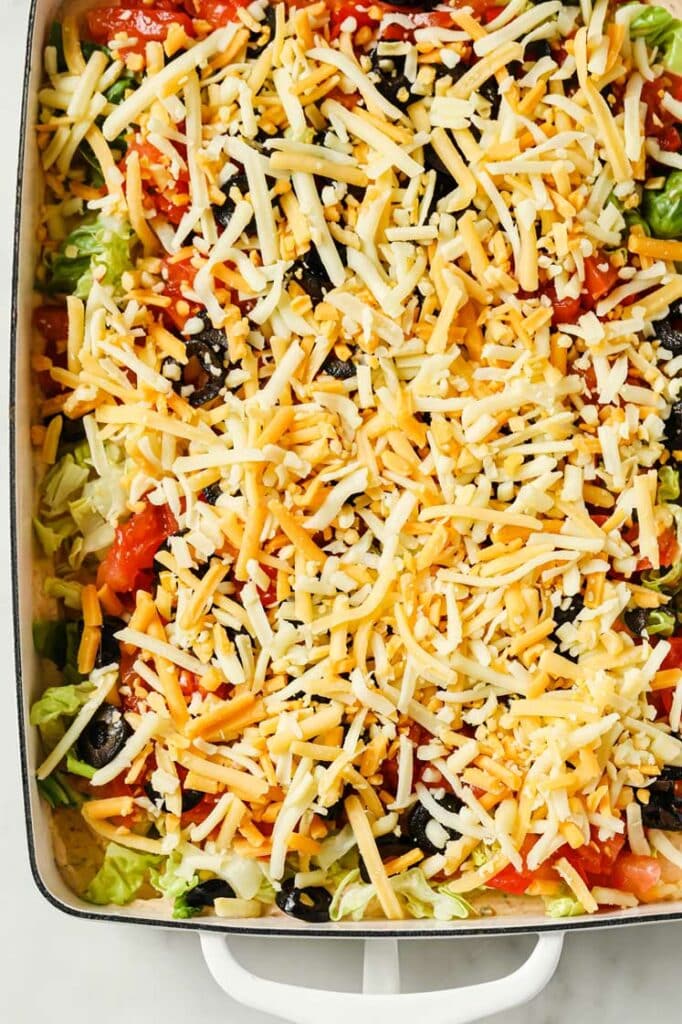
(190, 797)
(568, 614)
(673, 428)
(387, 74)
(669, 330)
(267, 33)
(223, 213)
(73, 431)
(211, 493)
(206, 367)
(103, 737)
(636, 620)
(206, 893)
(311, 904)
(309, 272)
(389, 847)
(109, 648)
(664, 809)
(419, 819)
(340, 369)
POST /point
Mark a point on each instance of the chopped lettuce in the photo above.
(662, 207)
(57, 792)
(668, 582)
(354, 898)
(78, 509)
(661, 29)
(668, 484)
(68, 591)
(121, 876)
(100, 247)
(78, 767)
(57, 704)
(565, 905)
(660, 622)
(59, 641)
(182, 909)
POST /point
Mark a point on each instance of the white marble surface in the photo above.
(56, 968)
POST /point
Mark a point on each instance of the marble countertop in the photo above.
(66, 970)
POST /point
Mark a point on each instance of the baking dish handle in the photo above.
(381, 995)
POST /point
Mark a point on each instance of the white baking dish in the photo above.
(381, 962)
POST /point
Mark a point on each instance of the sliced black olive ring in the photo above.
(311, 904)
(103, 737)
(419, 821)
(206, 893)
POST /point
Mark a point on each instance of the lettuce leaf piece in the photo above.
(354, 898)
(65, 480)
(49, 640)
(668, 484)
(57, 792)
(181, 908)
(121, 876)
(423, 900)
(51, 535)
(171, 882)
(99, 243)
(78, 767)
(69, 591)
(660, 28)
(662, 207)
(664, 583)
(563, 906)
(57, 704)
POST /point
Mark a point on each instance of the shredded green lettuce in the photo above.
(78, 767)
(56, 706)
(661, 29)
(101, 244)
(121, 876)
(78, 509)
(668, 582)
(668, 484)
(565, 905)
(68, 591)
(662, 207)
(354, 898)
(57, 792)
(174, 883)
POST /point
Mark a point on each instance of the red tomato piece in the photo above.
(135, 544)
(673, 658)
(516, 882)
(178, 276)
(215, 12)
(163, 193)
(491, 13)
(564, 311)
(636, 874)
(52, 322)
(669, 140)
(595, 860)
(142, 24)
(600, 276)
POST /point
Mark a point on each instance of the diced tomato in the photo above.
(673, 658)
(178, 275)
(516, 882)
(660, 122)
(491, 13)
(163, 192)
(52, 322)
(141, 24)
(420, 19)
(594, 861)
(600, 277)
(135, 544)
(564, 311)
(670, 140)
(215, 12)
(668, 548)
(636, 874)
(269, 595)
